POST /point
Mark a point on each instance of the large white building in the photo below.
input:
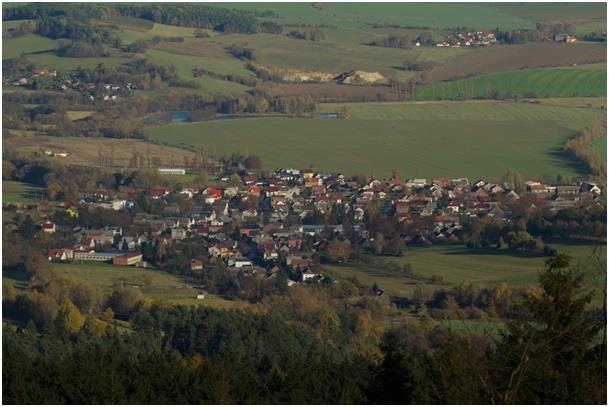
(172, 171)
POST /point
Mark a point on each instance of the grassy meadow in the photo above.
(457, 264)
(26, 44)
(473, 139)
(19, 192)
(600, 146)
(575, 81)
(342, 54)
(155, 284)
(356, 15)
(186, 63)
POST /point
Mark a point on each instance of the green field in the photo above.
(473, 139)
(12, 24)
(600, 146)
(591, 102)
(502, 111)
(355, 15)
(584, 80)
(51, 60)
(186, 63)
(26, 44)
(155, 284)
(20, 192)
(329, 56)
(78, 114)
(134, 23)
(586, 19)
(457, 264)
(133, 29)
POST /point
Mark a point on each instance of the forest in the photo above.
(323, 351)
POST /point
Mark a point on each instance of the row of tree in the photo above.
(308, 35)
(394, 41)
(579, 148)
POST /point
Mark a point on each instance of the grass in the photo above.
(26, 44)
(458, 264)
(155, 284)
(571, 117)
(186, 63)
(85, 150)
(575, 13)
(328, 56)
(600, 146)
(135, 29)
(51, 60)
(78, 115)
(20, 192)
(132, 23)
(585, 80)
(179, 55)
(12, 24)
(592, 102)
(357, 15)
(482, 139)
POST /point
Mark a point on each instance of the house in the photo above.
(178, 233)
(537, 189)
(416, 183)
(496, 213)
(309, 276)
(590, 186)
(196, 265)
(212, 195)
(60, 254)
(158, 193)
(239, 262)
(119, 204)
(48, 227)
(307, 173)
(567, 190)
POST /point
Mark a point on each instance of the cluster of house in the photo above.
(469, 39)
(63, 81)
(273, 214)
(35, 73)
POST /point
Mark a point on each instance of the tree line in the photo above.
(393, 41)
(199, 15)
(579, 148)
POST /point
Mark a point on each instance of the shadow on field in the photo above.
(492, 252)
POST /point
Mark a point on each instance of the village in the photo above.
(52, 80)
(282, 220)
